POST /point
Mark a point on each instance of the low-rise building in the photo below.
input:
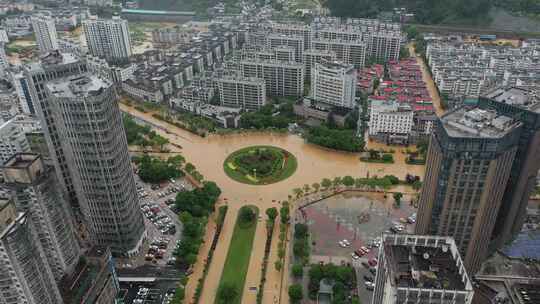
(390, 121)
(420, 269)
(12, 140)
(144, 92)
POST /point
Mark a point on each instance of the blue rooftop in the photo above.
(526, 245)
(154, 12)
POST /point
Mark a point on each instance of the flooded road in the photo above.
(314, 164)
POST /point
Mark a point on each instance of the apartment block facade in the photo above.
(45, 32)
(281, 78)
(334, 83)
(108, 38)
(241, 92)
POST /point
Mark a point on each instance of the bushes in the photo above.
(344, 140)
(298, 270)
(295, 293)
(343, 276)
(301, 242)
(200, 201)
(155, 170)
(246, 216)
(142, 135)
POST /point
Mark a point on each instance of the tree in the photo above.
(298, 192)
(306, 188)
(284, 213)
(189, 167)
(316, 186)
(337, 181)
(278, 265)
(397, 198)
(326, 183)
(246, 215)
(298, 270)
(160, 141)
(388, 158)
(417, 185)
(227, 292)
(348, 181)
(358, 182)
(295, 293)
(272, 213)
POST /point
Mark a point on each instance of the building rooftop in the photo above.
(78, 86)
(426, 262)
(53, 58)
(528, 99)
(21, 160)
(477, 122)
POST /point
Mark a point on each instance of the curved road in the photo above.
(314, 164)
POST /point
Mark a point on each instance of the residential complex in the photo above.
(334, 83)
(311, 57)
(37, 192)
(26, 277)
(45, 32)
(465, 71)
(420, 269)
(108, 38)
(281, 78)
(89, 125)
(241, 92)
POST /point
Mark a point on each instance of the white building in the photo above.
(334, 83)
(348, 51)
(12, 140)
(282, 78)
(390, 121)
(4, 63)
(45, 31)
(3, 36)
(241, 92)
(108, 38)
(312, 56)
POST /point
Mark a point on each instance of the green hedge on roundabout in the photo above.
(260, 165)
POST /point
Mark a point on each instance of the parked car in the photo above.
(373, 271)
(368, 278)
(365, 264)
(354, 256)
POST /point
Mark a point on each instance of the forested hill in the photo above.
(432, 11)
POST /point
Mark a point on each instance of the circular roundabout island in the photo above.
(260, 165)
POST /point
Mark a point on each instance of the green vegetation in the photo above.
(269, 117)
(301, 242)
(237, 262)
(520, 7)
(343, 276)
(154, 170)
(192, 238)
(295, 293)
(338, 139)
(426, 11)
(200, 201)
(260, 165)
(397, 198)
(142, 136)
(284, 213)
(378, 157)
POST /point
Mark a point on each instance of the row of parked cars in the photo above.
(146, 295)
(162, 221)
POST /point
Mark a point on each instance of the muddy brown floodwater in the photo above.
(314, 164)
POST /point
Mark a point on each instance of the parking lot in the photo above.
(158, 292)
(346, 228)
(162, 223)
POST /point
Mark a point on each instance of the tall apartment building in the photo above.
(36, 191)
(4, 63)
(420, 269)
(108, 38)
(12, 140)
(89, 125)
(313, 56)
(45, 32)
(52, 66)
(384, 45)
(390, 121)
(241, 92)
(522, 105)
(296, 42)
(26, 276)
(281, 78)
(468, 165)
(293, 29)
(348, 51)
(334, 83)
(23, 93)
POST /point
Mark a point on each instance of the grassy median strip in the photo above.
(234, 273)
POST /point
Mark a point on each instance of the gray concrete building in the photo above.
(89, 124)
(420, 269)
(45, 32)
(24, 272)
(241, 92)
(108, 38)
(334, 83)
(37, 192)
